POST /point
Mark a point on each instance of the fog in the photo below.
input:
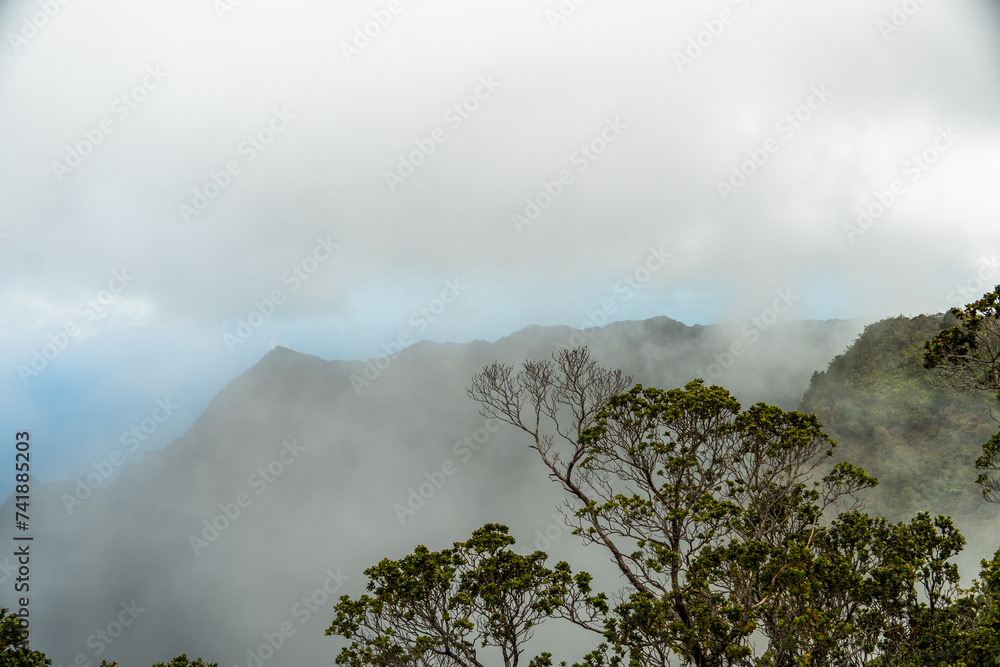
(339, 464)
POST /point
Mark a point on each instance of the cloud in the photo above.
(179, 104)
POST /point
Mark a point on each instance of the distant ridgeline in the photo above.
(920, 440)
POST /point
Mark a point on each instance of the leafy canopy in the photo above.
(455, 606)
(967, 357)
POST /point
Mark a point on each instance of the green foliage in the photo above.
(894, 419)
(14, 651)
(445, 607)
(966, 356)
(724, 520)
(982, 643)
(967, 352)
(732, 530)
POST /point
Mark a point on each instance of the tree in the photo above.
(966, 357)
(14, 650)
(444, 607)
(740, 543)
(708, 511)
(982, 613)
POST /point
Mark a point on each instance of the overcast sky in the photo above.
(184, 185)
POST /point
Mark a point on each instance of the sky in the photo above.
(186, 185)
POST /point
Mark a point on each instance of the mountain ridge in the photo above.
(170, 532)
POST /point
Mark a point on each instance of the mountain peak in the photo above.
(284, 356)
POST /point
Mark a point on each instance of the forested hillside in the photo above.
(888, 415)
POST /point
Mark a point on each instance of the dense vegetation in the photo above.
(892, 418)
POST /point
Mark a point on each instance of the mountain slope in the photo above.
(919, 439)
(295, 477)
